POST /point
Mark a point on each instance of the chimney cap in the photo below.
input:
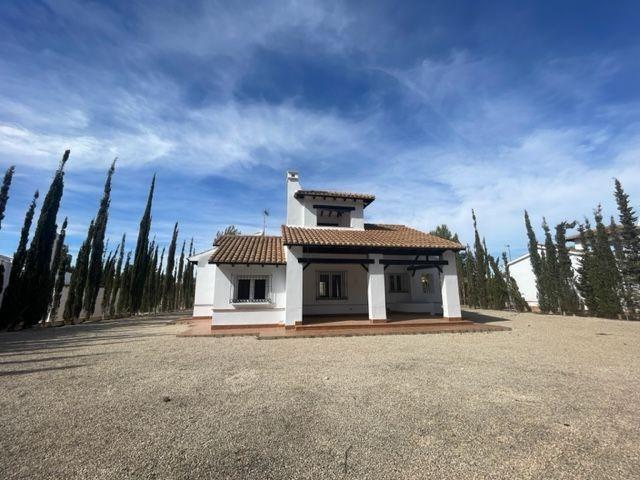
(292, 175)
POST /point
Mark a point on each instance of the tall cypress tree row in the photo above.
(10, 310)
(630, 244)
(141, 257)
(36, 286)
(568, 300)
(73, 305)
(4, 191)
(94, 271)
(167, 292)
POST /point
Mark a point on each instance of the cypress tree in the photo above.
(470, 278)
(515, 297)
(124, 299)
(149, 282)
(587, 268)
(607, 277)
(536, 263)
(11, 306)
(141, 257)
(94, 271)
(179, 280)
(73, 305)
(2, 270)
(481, 270)
(4, 191)
(58, 286)
(629, 236)
(108, 277)
(568, 300)
(187, 279)
(159, 282)
(55, 263)
(117, 280)
(499, 291)
(36, 289)
(167, 293)
(550, 270)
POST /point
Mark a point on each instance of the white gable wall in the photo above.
(225, 312)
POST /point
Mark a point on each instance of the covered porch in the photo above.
(346, 288)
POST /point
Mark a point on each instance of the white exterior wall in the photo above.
(450, 293)
(227, 313)
(293, 286)
(205, 285)
(295, 209)
(310, 218)
(203, 299)
(376, 295)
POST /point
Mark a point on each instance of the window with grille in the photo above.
(398, 282)
(332, 285)
(251, 289)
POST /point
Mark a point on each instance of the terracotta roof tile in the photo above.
(365, 197)
(373, 235)
(249, 249)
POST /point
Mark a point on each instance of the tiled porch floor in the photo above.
(343, 325)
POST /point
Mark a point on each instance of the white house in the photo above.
(327, 261)
(521, 271)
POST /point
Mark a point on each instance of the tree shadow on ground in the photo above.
(10, 373)
(38, 339)
(477, 317)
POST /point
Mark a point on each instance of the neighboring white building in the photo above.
(521, 271)
(327, 261)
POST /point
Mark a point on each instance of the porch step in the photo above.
(365, 324)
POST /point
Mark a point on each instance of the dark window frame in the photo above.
(332, 285)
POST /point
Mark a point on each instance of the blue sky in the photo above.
(435, 107)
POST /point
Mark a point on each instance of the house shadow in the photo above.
(477, 317)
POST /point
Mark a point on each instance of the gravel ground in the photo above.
(553, 398)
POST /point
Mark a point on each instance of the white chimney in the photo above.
(294, 207)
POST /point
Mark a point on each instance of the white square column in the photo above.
(293, 303)
(375, 290)
(450, 295)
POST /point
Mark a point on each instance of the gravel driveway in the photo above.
(553, 398)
